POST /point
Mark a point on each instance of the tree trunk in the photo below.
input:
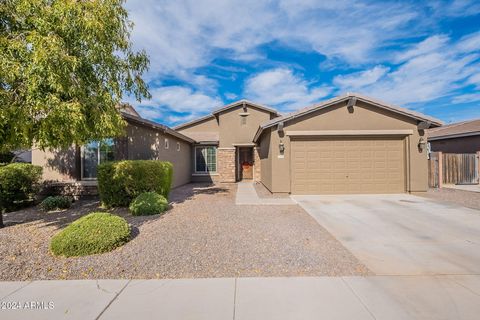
(1, 219)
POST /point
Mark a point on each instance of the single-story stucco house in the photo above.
(460, 137)
(348, 144)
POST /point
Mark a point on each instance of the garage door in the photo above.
(348, 165)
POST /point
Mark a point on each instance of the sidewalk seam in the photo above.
(234, 298)
(358, 298)
(111, 301)
(16, 290)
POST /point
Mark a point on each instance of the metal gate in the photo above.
(460, 168)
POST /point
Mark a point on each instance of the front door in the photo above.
(245, 165)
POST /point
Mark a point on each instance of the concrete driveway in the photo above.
(401, 234)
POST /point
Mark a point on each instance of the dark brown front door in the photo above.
(245, 165)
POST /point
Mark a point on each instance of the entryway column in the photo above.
(226, 164)
(257, 164)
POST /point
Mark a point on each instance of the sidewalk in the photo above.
(376, 297)
(246, 195)
(464, 187)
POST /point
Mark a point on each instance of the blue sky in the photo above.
(423, 55)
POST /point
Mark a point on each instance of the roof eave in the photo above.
(455, 135)
(157, 126)
(236, 103)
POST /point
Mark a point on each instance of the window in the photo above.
(178, 146)
(205, 159)
(166, 144)
(93, 154)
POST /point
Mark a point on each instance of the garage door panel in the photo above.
(348, 165)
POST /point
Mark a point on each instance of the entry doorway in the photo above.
(245, 163)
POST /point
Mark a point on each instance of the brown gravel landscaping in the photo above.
(204, 235)
(464, 198)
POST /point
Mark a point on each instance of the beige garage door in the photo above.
(348, 165)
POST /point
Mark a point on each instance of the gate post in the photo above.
(478, 166)
(440, 169)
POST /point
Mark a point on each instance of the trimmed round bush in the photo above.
(119, 182)
(148, 203)
(97, 232)
(55, 203)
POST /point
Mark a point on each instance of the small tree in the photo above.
(64, 66)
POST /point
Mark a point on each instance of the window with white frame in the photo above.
(166, 144)
(178, 146)
(205, 159)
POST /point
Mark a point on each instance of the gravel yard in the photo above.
(464, 198)
(204, 235)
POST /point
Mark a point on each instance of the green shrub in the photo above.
(6, 157)
(120, 182)
(148, 203)
(19, 182)
(55, 203)
(97, 232)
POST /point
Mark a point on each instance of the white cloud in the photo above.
(181, 36)
(475, 80)
(466, 98)
(434, 68)
(283, 89)
(456, 8)
(360, 79)
(177, 99)
(431, 44)
(469, 43)
(181, 99)
(230, 95)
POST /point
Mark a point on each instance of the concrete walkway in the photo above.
(376, 297)
(464, 187)
(246, 195)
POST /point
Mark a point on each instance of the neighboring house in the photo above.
(144, 139)
(348, 144)
(460, 137)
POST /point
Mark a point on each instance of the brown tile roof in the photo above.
(325, 104)
(464, 128)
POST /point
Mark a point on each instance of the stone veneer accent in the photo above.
(226, 164)
(257, 164)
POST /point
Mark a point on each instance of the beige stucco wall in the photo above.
(143, 144)
(364, 117)
(58, 165)
(149, 144)
(265, 152)
(207, 125)
(231, 129)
